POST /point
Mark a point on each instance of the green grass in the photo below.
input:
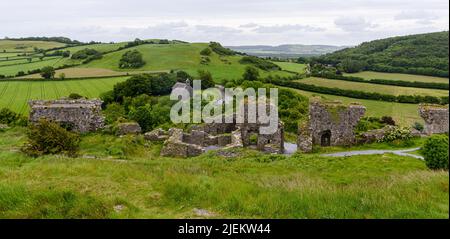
(165, 57)
(14, 69)
(291, 66)
(252, 185)
(383, 89)
(397, 76)
(15, 94)
(10, 45)
(403, 114)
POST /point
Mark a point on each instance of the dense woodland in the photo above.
(423, 54)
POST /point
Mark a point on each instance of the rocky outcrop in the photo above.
(156, 135)
(435, 117)
(79, 115)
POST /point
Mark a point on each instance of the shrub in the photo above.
(131, 59)
(62, 76)
(206, 78)
(75, 96)
(435, 152)
(9, 117)
(387, 120)
(396, 133)
(220, 50)
(418, 126)
(46, 137)
(259, 62)
(48, 72)
(206, 52)
(84, 54)
(251, 74)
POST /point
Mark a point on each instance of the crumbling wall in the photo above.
(79, 115)
(329, 124)
(435, 117)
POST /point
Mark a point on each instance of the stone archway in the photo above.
(325, 138)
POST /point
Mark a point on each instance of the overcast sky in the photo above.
(231, 22)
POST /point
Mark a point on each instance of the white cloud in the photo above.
(232, 22)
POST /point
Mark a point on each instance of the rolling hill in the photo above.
(422, 54)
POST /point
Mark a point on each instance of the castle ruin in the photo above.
(435, 117)
(79, 115)
(329, 124)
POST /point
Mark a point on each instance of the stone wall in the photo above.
(435, 117)
(79, 115)
(330, 124)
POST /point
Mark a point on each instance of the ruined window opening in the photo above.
(325, 138)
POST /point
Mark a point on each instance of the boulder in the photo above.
(128, 128)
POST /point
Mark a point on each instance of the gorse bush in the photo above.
(9, 117)
(46, 137)
(435, 152)
(396, 133)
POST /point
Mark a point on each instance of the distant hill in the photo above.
(287, 50)
(423, 54)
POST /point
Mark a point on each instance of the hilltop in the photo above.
(422, 54)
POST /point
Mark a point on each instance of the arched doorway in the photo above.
(325, 138)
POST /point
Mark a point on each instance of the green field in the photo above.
(367, 87)
(125, 178)
(397, 76)
(15, 94)
(104, 47)
(12, 70)
(291, 66)
(26, 46)
(403, 114)
(165, 57)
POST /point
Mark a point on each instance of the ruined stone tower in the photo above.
(329, 124)
(436, 118)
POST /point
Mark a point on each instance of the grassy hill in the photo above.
(180, 56)
(424, 54)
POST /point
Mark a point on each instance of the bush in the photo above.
(418, 126)
(251, 74)
(47, 137)
(131, 59)
(84, 54)
(48, 72)
(387, 120)
(435, 152)
(206, 78)
(206, 52)
(260, 63)
(75, 96)
(11, 118)
(396, 134)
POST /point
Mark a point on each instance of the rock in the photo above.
(203, 213)
(435, 117)
(416, 133)
(374, 135)
(128, 128)
(156, 135)
(175, 147)
(223, 140)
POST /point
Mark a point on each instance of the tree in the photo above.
(206, 78)
(206, 52)
(435, 152)
(48, 72)
(62, 76)
(131, 59)
(251, 74)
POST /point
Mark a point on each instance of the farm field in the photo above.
(15, 94)
(403, 114)
(12, 70)
(180, 56)
(397, 76)
(77, 72)
(27, 46)
(291, 66)
(252, 185)
(367, 87)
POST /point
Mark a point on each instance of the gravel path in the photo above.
(402, 152)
